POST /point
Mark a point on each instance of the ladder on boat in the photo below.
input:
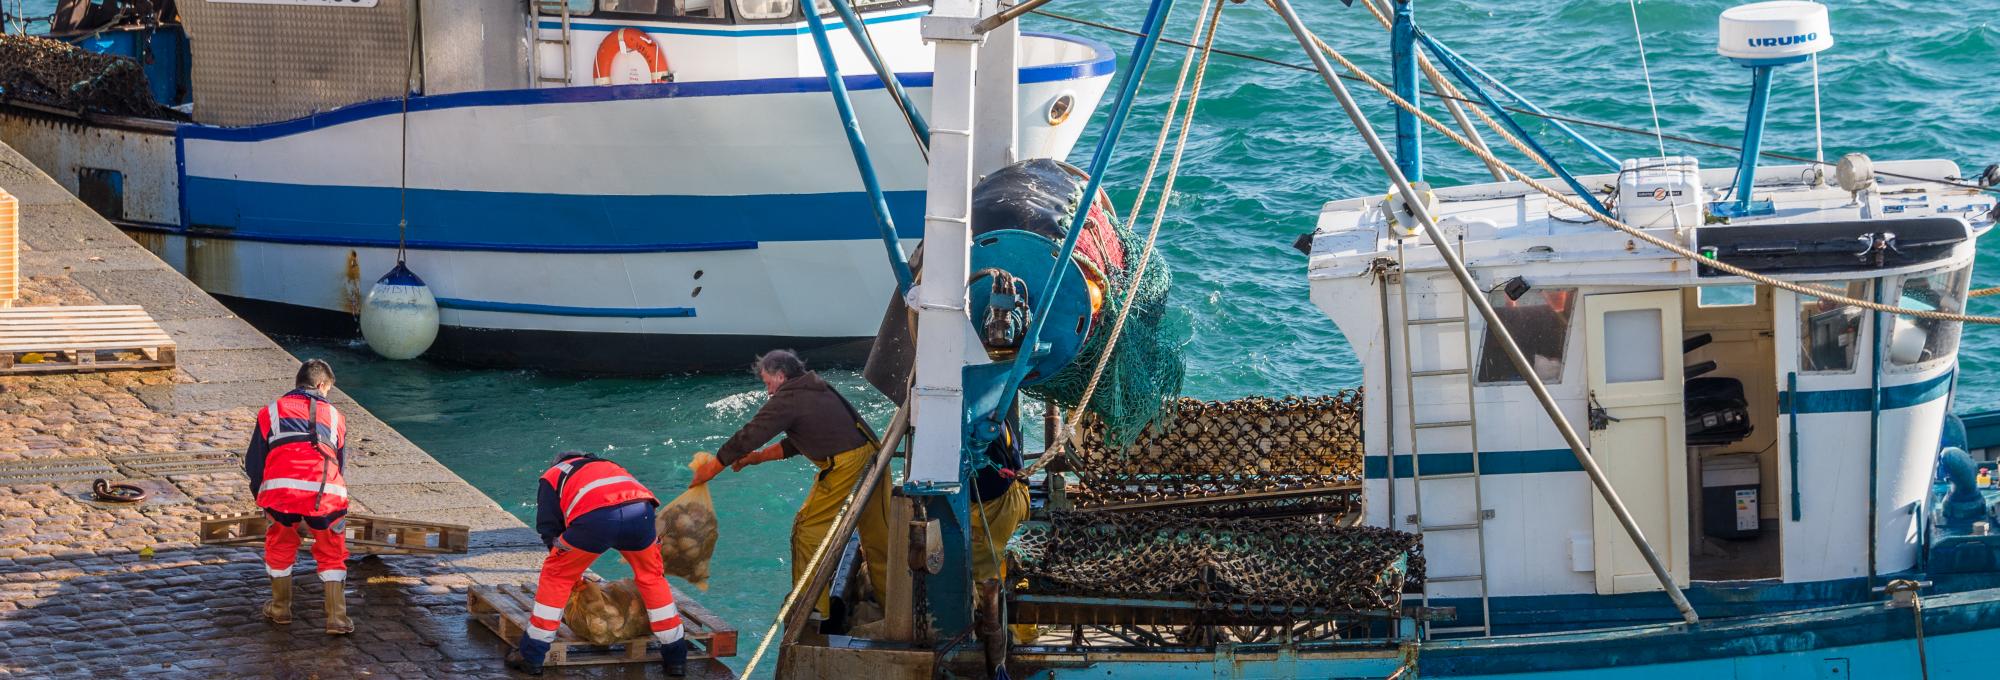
(550, 8)
(1440, 281)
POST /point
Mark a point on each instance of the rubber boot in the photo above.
(674, 658)
(992, 632)
(337, 622)
(527, 655)
(279, 609)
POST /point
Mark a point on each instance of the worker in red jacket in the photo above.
(296, 455)
(586, 505)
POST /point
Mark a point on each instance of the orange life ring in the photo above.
(633, 40)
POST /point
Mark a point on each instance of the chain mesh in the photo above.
(55, 73)
(1218, 448)
(1299, 566)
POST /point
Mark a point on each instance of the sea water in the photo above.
(1907, 79)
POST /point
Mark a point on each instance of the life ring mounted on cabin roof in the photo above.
(634, 41)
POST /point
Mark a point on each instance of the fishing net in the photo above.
(1306, 566)
(1143, 374)
(56, 74)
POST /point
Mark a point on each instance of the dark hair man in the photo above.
(296, 456)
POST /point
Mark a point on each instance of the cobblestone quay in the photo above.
(99, 591)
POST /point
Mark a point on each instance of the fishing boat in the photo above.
(596, 186)
(1665, 421)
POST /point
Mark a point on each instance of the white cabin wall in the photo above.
(711, 52)
(1830, 539)
(471, 45)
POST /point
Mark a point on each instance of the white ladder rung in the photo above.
(1439, 320)
(1450, 527)
(1442, 424)
(1448, 475)
(1437, 372)
(1453, 579)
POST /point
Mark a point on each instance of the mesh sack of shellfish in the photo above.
(1221, 447)
(1300, 566)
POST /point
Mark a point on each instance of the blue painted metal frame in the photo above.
(1591, 146)
(1792, 412)
(1874, 424)
(1403, 66)
(849, 124)
(1458, 69)
(1100, 162)
(1753, 138)
(859, 29)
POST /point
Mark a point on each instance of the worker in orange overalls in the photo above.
(585, 506)
(296, 455)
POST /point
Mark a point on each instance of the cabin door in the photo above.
(1634, 344)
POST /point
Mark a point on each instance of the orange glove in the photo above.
(763, 455)
(705, 467)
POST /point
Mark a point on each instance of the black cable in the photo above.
(1521, 111)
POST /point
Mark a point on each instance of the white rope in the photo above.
(1578, 204)
(1167, 123)
(1647, 70)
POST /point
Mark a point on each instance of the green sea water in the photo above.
(1907, 79)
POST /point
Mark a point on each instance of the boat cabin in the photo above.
(1756, 434)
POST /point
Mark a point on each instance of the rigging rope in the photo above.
(1654, 102)
(1206, 26)
(1544, 116)
(1451, 92)
(403, 148)
(1677, 249)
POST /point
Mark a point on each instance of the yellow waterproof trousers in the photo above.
(993, 523)
(822, 508)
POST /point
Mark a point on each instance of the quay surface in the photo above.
(77, 596)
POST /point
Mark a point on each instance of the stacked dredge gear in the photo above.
(1221, 449)
(1291, 567)
(56, 74)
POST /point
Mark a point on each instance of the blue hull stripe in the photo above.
(1490, 463)
(1856, 400)
(558, 310)
(794, 29)
(501, 221)
(1104, 62)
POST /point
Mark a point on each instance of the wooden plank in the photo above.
(366, 535)
(66, 339)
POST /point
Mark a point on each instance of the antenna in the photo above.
(1762, 36)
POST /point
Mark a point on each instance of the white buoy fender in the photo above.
(400, 317)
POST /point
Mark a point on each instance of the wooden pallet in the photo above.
(95, 338)
(504, 609)
(366, 534)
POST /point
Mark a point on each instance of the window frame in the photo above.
(1487, 343)
(1861, 326)
(1959, 280)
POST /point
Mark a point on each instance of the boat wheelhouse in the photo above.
(608, 186)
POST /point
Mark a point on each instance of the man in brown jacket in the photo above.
(822, 426)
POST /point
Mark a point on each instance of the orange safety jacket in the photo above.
(585, 483)
(297, 455)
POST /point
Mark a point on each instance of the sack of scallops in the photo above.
(592, 614)
(687, 532)
(625, 596)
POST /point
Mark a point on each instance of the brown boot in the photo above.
(279, 609)
(337, 622)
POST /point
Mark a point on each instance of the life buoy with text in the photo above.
(630, 41)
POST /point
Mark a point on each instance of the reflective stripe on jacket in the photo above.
(297, 456)
(585, 483)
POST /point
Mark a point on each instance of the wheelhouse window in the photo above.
(1830, 332)
(701, 9)
(765, 9)
(630, 6)
(1914, 340)
(1539, 322)
(580, 7)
